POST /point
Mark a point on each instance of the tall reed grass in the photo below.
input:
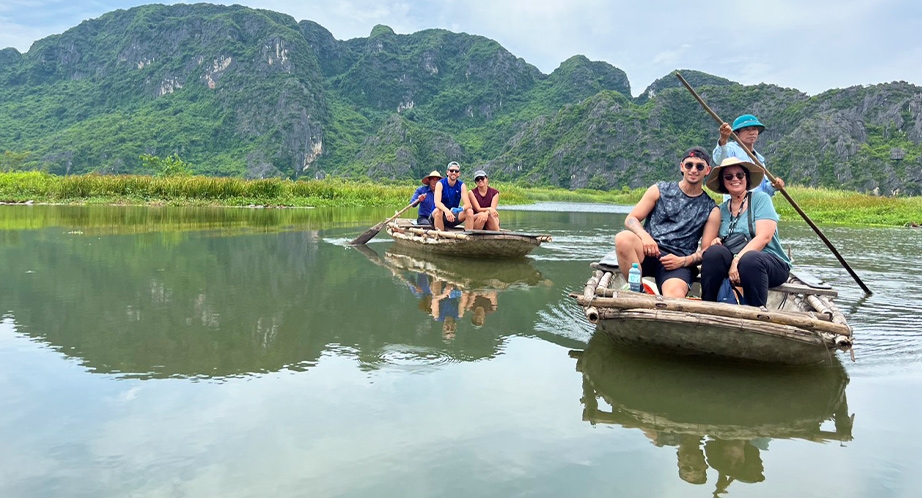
(42, 187)
(821, 205)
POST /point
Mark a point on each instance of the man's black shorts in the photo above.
(652, 267)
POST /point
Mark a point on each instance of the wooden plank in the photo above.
(636, 301)
(803, 289)
(810, 280)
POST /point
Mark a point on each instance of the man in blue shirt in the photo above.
(425, 197)
(451, 202)
(748, 128)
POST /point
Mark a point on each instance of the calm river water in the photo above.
(167, 352)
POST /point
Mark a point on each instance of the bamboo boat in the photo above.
(660, 395)
(464, 243)
(800, 324)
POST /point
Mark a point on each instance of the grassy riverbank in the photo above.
(822, 205)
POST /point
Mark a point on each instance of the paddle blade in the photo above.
(367, 234)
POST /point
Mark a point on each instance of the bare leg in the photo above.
(439, 219)
(493, 222)
(467, 216)
(674, 287)
(629, 249)
(480, 219)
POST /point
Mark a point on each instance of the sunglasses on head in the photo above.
(730, 176)
(698, 166)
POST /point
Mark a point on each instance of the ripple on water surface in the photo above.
(888, 324)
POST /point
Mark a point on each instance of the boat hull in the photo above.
(460, 243)
(740, 340)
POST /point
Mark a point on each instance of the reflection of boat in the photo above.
(466, 274)
(470, 244)
(799, 326)
(660, 395)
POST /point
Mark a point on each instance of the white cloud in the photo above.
(806, 44)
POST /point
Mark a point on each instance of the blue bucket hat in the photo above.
(745, 121)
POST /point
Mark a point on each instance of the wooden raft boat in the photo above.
(800, 324)
(465, 243)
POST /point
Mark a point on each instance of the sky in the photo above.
(810, 45)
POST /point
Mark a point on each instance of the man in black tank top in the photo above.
(677, 214)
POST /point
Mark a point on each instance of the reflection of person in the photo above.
(448, 305)
(483, 200)
(420, 288)
(451, 201)
(692, 466)
(677, 214)
(425, 197)
(481, 304)
(759, 265)
(748, 128)
(734, 460)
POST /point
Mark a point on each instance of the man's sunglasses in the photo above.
(698, 166)
(454, 171)
(739, 176)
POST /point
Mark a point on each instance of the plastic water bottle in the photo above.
(633, 278)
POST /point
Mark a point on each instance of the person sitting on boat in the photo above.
(483, 199)
(425, 198)
(748, 128)
(677, 215)
(761, 263)
(451, 201)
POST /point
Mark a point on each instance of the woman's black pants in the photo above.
(759, 271)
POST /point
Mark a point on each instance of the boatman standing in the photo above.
(748, 128)
(677, 214)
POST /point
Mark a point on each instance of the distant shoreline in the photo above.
(821, 205)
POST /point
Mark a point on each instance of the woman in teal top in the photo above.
(761, 263)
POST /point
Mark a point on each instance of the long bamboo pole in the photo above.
(784, 192)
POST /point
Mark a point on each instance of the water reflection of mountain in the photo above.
(717, 417)
(199, 304)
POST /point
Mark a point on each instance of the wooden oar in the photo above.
(784, 192)
(371, 232)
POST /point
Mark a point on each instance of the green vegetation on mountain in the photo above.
(249, 93)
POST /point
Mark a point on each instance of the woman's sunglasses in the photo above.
(698, 166)
(739, 176)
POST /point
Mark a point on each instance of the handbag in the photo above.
(729, 294)
(736, 241)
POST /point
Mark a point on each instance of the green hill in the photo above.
(237, 91)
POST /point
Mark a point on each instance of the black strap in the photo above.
(734, 220)
(752, 230)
